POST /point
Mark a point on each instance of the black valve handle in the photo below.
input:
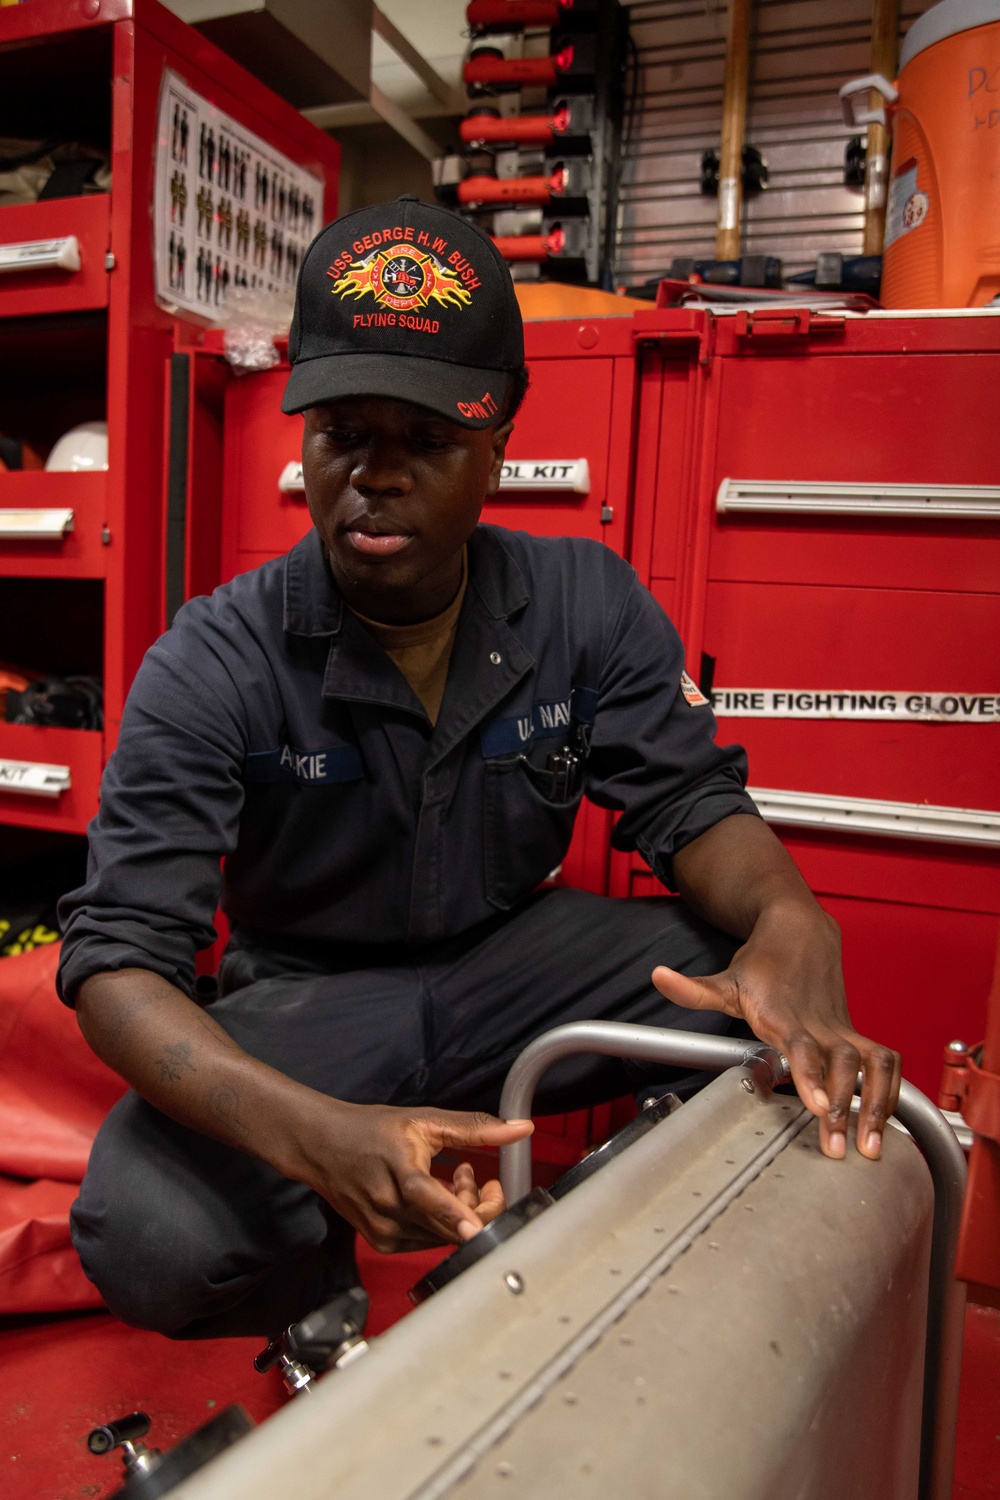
(114, 1434)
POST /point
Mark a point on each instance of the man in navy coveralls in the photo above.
(386, 736)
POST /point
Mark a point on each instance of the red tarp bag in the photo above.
(54, 1093)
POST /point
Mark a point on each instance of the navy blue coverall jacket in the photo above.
(268, 727)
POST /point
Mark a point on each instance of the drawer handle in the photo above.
(898, 820)
(290, 481)
(971, 502)
(35, 525)
(34, 778)
(42, 255)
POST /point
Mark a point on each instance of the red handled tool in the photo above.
(488, 68)
(522, 190)
(529, 247)
(487, 128)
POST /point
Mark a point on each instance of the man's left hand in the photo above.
(786, 983)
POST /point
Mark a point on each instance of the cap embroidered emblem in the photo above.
(402, 280)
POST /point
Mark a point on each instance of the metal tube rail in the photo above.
(946, 1295)
(613, 1039)
(930, 1131)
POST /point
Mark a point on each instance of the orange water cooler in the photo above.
(942, 227)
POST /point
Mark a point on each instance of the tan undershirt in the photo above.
(422, 652)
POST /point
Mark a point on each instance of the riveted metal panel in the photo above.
(707, 1316)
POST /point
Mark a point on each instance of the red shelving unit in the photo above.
(92, 343)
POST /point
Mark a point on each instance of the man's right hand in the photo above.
(372, 1164)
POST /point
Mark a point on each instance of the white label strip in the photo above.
(900, 820)
(35, 525)
(42, 255)
(976, 502)
(568, 474)
(34, 778)
(824, 703)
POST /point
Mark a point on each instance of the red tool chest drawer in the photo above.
(260, 519)
(53, 525)
(823, 650)
(568, 458)
(33, 233)
(49, 778)
(875, 422)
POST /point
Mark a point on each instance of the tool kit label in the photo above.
(571, 474)
(824, 703)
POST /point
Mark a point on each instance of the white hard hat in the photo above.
(81, 450)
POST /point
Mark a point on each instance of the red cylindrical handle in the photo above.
(530, 246)
(535, 72)
(511, 189)
(529, 130)
(512, 14)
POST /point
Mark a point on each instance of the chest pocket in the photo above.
(529, 816)
(526, 834)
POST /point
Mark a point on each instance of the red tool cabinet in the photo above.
(93, 344)
(853, 553)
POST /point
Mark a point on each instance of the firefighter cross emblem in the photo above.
(402, 279)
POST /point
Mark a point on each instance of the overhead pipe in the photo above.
(885, 32)
(734, 115)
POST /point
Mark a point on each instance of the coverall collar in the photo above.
(488, 659)
(314, 606)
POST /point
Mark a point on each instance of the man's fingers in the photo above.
(708, 992)
(879, 1095)
(440, 1208)
(464, 1183)
(805, 1058)
(825, 1074)
(461, 1130)
(842, 1063)
(491, 1201)
(389, 1237)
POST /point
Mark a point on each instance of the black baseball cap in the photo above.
(407, 300)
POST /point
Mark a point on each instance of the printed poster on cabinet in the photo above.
(229, 210)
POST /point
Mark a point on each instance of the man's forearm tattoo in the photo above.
(175, 1061)
(224, 1103)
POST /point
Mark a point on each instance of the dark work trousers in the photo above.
(197, 1240)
